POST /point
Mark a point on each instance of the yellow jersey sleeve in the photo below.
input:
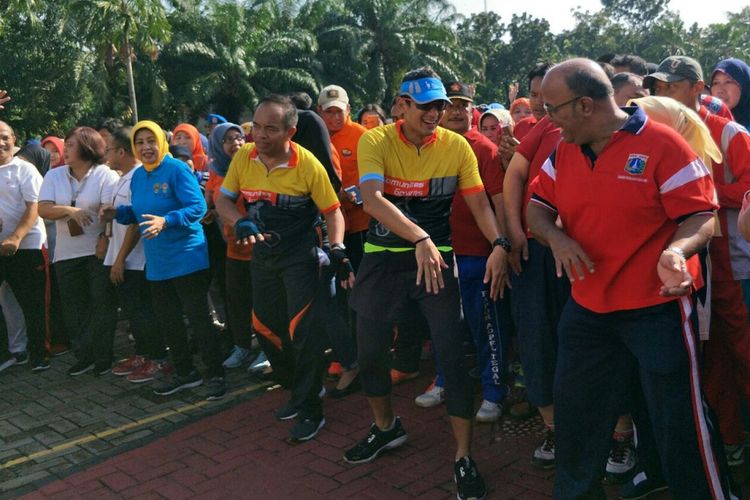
(370, 160)
(319, 185)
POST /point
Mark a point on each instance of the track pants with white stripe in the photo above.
(599, 357)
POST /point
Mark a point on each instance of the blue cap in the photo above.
(424, 90)
(214, 119)
(495, 105)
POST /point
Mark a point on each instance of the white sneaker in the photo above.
(489, 411)
(7, 363)
(238, 356)
(433, 396)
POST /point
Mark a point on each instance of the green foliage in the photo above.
(73, 61)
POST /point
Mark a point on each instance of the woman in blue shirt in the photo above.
(168, 205)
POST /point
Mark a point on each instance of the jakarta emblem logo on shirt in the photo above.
(636, 164)
(161, 187)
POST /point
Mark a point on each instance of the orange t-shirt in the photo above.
(345, 141)
(234, 251)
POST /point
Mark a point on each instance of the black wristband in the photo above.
(420, 240)
(503, 243)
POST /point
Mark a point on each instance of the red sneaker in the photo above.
(128, 365)
(398, 377)
(146, 372)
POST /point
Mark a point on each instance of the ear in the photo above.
(290, 133)
(586, 105)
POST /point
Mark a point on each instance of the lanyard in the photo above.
(81, 185)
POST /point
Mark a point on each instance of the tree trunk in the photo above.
(131, 80)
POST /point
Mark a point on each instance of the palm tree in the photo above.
(117, 28)
(382, 39)
(232, 53)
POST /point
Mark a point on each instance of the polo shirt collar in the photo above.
(637, 120)
(427, 140)
(293, 160)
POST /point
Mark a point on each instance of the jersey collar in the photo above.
(427, 140)
(636, 122)
(293, 160)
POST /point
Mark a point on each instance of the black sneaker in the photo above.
(216, 388)
(39, 365)
(544, 455)
(306, 429)
(100, 370)
(173, 383)
(375, 442)
(287, 412)
(21, 357)
(641, 486)
(80, 368)
(469, 483)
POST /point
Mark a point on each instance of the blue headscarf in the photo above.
(740, 73)
(219, 159)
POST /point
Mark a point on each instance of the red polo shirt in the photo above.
(536, 148)
(623, 208)
(466, 237)
(524, 126)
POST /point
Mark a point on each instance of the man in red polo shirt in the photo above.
(636, 204)
(727, 353)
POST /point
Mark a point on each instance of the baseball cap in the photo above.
(215, 119)
(424, 90)
(333, 95)
(674, 69)
(458, 90)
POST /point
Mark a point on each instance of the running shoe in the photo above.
(375, 442)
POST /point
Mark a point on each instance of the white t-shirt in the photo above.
(20, 182)
(95, 189)
(136, 260)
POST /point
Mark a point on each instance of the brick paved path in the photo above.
(181, 447)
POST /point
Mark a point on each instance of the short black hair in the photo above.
(609, 70)
(287, 106)
(635, 64)
(301, 100)
(621, 79)
(121, 138)
(417, 73)
(110, 124)
(371, 107)
(607, 58)
(584, 82)
(538, 71)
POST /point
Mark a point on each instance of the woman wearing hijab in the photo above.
(187, 135)
(72, 196)
(226, 139)
(56, 148)
(730, 82)
(168, 206)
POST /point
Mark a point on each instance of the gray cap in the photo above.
(675, 68)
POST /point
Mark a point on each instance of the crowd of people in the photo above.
(581, 252)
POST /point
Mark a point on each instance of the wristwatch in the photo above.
(502, 242)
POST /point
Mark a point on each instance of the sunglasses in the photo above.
(440, 106)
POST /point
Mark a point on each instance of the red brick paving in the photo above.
(242, 452)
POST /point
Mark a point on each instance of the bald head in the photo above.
(583, 77)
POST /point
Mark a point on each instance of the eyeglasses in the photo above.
(551, 109)
(236, 138)
(428, 106)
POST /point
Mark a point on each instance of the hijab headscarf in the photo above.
(161, 140)
(219, 159)
(502, 115)
(521, 101)
(688, 124)
(37, 156)
(199, 154)
(740, 73)
(59, 145)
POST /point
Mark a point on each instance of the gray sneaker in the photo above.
(237, 358)
(216, 388)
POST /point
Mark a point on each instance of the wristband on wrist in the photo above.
(677, 251)
(502, 242)
(420, 240)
